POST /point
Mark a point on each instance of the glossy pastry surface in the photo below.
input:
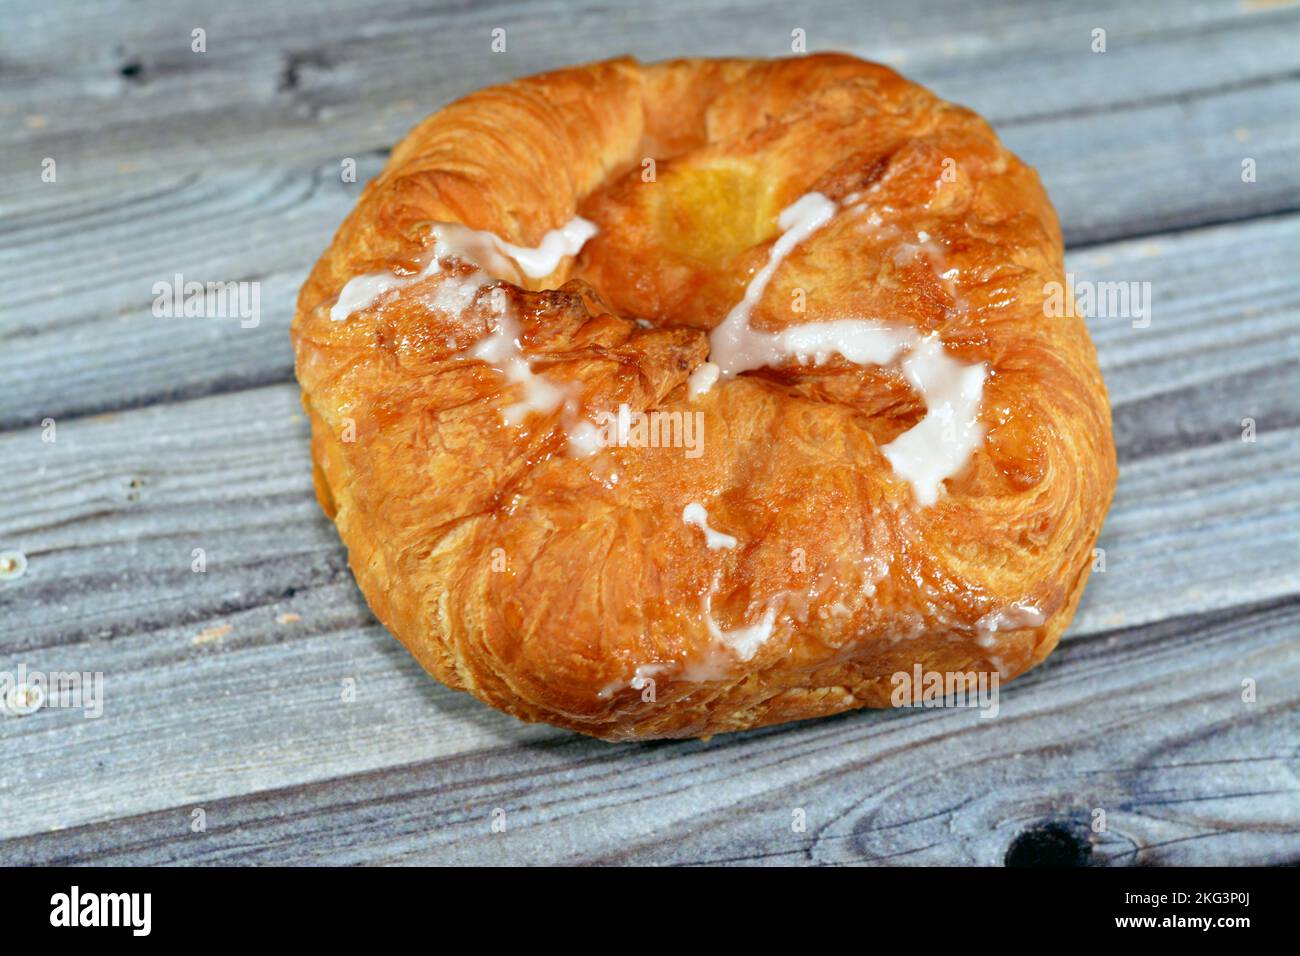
(676, 399)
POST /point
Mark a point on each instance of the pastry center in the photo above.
(712, 213)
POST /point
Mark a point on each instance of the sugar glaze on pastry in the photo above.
(924, 455)
(905, 462)
(695, 514)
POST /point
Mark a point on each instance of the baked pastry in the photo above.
(665, 400)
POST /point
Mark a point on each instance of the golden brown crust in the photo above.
(540, 581)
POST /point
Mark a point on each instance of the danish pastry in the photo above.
(666, 400)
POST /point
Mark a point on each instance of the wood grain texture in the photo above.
(341, 77)
(225, 690)
(1181, 94)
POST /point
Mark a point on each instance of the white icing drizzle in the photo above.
(1011, 618)
(493, 252)
(477, 247)
(933, 450)
(939, 445)
(728, 647)
(925, 456)
(743, 642)
(502, 350)
(361, 292)
(694, 514)
(642, 676)
(733, 345)
(646, 672)
(454, 294)
(703, 379)
(858, 340)
(568, 240)
(585, 440)
(718, 662)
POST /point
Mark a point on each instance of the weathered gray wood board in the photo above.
(224, 689)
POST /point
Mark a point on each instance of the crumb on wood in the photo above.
(215, 633)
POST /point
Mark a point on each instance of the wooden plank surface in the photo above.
(224, 689)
